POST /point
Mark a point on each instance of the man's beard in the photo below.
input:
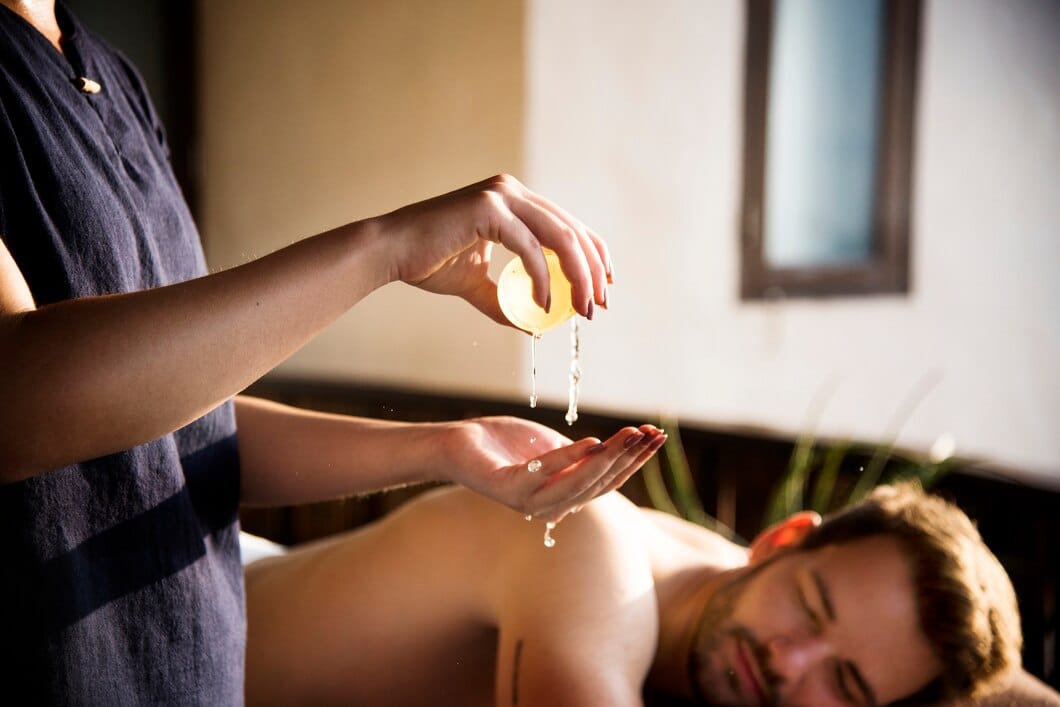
(715, 626)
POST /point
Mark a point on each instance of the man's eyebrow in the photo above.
(826, 597)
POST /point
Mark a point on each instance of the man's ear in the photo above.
(784, 534)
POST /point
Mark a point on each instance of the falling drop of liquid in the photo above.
(534, 466)
(575, 376)
(533, 370)
(549, 540)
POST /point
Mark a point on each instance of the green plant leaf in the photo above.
(789, 494)
(824, 487)
(686, 497)
(651, 473)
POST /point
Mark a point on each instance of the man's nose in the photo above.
(792, 657)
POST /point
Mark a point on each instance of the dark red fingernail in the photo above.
(589, 309)
(548, 302)
(596, 449)
(633, 439)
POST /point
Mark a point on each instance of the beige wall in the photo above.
(629, 114)
(318, 113)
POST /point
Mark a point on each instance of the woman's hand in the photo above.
(444, 244)
(492, 456)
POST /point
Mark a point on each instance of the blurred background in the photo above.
(830, 220)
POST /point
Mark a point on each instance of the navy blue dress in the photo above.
(120, 580)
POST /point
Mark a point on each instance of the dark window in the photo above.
(829, 102)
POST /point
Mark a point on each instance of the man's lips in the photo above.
(745, 664)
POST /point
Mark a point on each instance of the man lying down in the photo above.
(453, 600)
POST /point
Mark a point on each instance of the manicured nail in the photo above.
(548, 302)
(610, 272)
(589, 309)
(605, 298)
(596, 449)
(632, 440)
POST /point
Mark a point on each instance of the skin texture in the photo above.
(454, 601)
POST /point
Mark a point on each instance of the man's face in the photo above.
(833, 626)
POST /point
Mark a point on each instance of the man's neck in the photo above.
(40, 14)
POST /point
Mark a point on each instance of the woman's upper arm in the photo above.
(15, 296)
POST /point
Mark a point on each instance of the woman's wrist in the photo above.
(370, 252)
(451, 440)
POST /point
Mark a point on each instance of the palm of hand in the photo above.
(490, 456)
(498, 444)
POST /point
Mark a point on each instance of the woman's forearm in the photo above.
(93, 376)
(288, 455)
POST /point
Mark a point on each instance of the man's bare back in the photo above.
(454, 600)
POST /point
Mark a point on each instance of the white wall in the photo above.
(648, 149)
(629, 114)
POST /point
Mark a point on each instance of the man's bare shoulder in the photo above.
(677, 536)
(578, 620)
(610, 529)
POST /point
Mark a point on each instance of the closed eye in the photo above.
(841, 687)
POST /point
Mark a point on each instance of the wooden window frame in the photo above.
(887, 271)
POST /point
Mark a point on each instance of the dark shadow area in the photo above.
(136, 553)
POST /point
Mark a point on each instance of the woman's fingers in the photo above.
(553, 233)
(627, 464)
(565, 473)
(651, 448)
(582, 254)
(609, 462)
(597, 257)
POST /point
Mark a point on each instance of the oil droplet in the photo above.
(533, 439)
(533, 370)
(528, 517)
(549, 540)
(534, 466)
(575, 376)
